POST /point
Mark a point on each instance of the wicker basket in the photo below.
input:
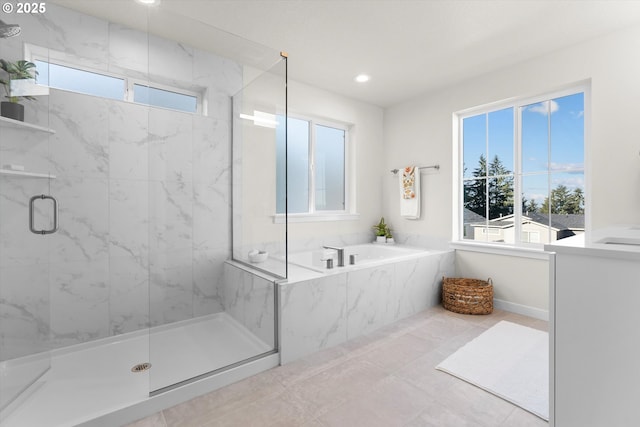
(467, 296)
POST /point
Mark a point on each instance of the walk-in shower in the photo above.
(130, 300)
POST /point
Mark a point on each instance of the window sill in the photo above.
(340, 216)
(498, 249)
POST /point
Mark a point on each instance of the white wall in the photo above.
(519, 283)
(420, 132)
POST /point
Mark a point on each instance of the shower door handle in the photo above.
(32, 219)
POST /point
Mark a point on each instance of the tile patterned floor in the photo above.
(387, 378)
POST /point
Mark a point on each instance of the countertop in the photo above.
(621, 242)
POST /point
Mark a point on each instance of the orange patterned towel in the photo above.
(408, 182)
(410, 192)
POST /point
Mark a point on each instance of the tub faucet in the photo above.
(340, 254)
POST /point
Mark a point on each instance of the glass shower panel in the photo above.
(292, 166)
(196, 328)
(329, 168)
(259, 185)
(25, 298)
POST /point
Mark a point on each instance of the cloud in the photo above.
(541, 108)
(567, 167)
(569, 181)
(538, 197)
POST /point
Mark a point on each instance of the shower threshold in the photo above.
(89, 381)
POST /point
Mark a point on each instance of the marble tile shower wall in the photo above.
(144, 193)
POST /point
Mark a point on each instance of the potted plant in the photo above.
(389, 236)
(381, 231)
(19, 70)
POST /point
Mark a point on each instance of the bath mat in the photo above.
(510, 361)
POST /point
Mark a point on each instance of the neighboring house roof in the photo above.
(472, 217)
(558, 221)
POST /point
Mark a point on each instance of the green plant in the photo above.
(388, 233)
(19, 70)
(380, 228)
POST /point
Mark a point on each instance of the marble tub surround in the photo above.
(249, 297)
(319, 311)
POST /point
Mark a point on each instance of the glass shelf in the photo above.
(6, 122)
(26, 174)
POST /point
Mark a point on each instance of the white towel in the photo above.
(410, 192)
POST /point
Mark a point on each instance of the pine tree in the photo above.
(575, 202)
(564, 202)
(529, 206)
(500, 189)
(475, 192)
(495, 179)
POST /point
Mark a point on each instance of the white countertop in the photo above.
(622, 241)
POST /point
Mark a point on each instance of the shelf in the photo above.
(26, 174)
(4, 121)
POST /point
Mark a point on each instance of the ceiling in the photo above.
(408, 47)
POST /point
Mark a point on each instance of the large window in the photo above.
(317, 167)
(523, 171)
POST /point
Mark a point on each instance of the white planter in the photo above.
(381, 239)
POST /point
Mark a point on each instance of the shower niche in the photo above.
(140, 270)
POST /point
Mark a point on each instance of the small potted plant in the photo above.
(381, 231)
(19, 70)
(389, 236)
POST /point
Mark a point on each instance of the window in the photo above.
(77, 79)
(317, 167)
(522, 175)
(81, 81)
(164, 98)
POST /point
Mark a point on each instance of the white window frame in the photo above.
(458, 240)
(313, 215)
(50, 56)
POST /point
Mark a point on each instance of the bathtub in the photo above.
(366, 255)
(321, 307)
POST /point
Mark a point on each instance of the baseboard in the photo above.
(525, 310)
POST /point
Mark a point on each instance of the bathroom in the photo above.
(145, 226)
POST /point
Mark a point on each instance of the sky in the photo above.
(552, 138)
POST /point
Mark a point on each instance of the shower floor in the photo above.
(90, 380)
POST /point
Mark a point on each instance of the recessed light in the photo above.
(149, 2)
(361, 78)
